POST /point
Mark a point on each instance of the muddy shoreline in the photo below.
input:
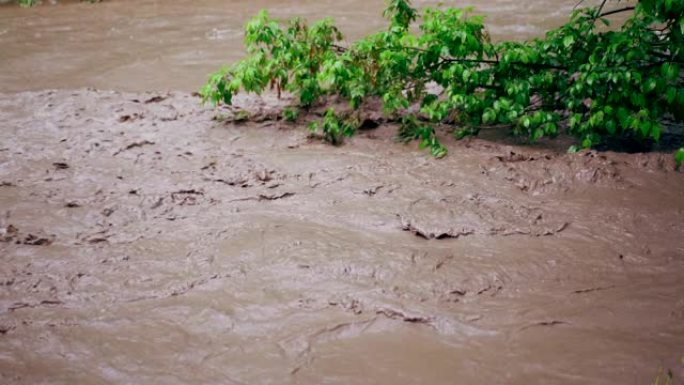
(144, 241)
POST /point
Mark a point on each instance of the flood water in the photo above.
(172, 45)
(145, 239)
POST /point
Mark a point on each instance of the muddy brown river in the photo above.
(173, 44)
(146, 240)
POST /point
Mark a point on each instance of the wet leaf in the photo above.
(679, 157)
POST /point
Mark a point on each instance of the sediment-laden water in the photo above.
(144, 240)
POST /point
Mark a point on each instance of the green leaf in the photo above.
(650, 85)
(290, 114)
(575, 120)
(526, 122)
(488, 116)
(551, 128)
(538, 133)
(656, 132)
(679, 160)
(512, 115)
(645, 128)
(568, 41)
(670, 95)
(670, 71)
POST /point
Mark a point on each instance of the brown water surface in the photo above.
(147, 240)
(172, 45)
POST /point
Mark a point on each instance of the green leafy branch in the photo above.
(591, 82)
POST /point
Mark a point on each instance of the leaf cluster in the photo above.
(587, 78)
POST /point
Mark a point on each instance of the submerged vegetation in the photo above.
(583, 78)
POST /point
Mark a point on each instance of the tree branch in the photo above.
(614, 11)
(600, 9)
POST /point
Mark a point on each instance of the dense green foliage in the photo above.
(592, 81)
